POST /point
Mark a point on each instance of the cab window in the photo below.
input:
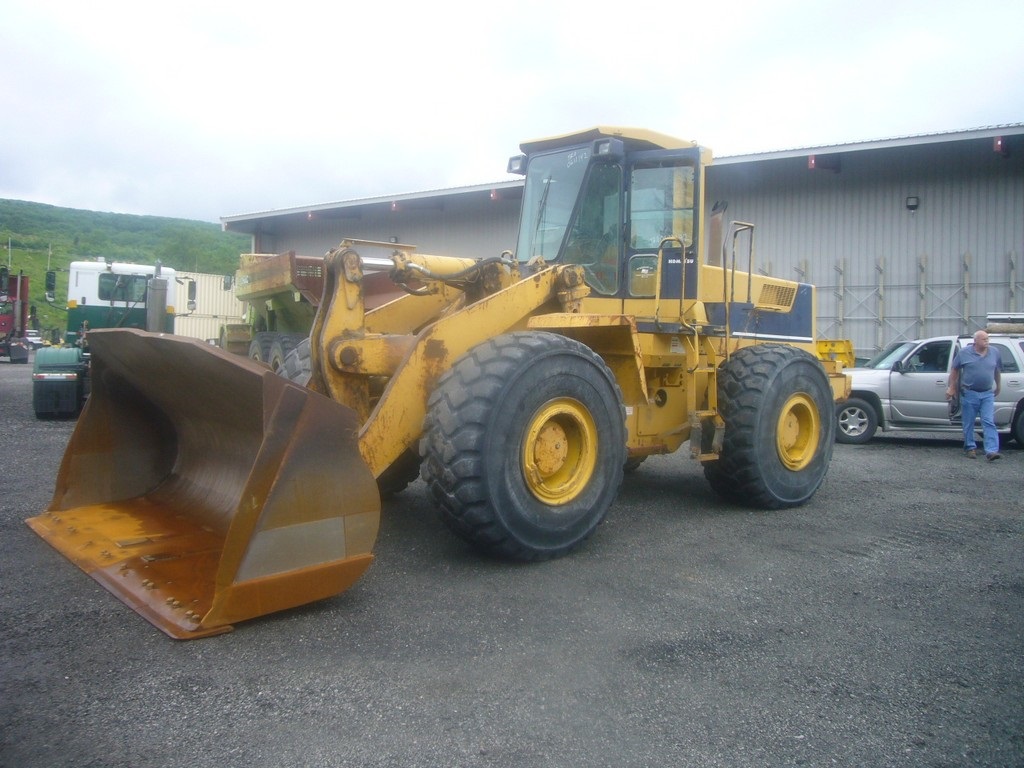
(661, 205)
(594, 237)
(128, 288)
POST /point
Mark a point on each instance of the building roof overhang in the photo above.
(991, 132)
(409, 201)
(249, 222)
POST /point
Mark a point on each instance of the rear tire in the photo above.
(779, 427)
(259, 347)
(856, 421)
(280, 348)
(524, 445)
(298, 365)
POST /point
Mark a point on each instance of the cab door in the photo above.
(917, 385)
(663, 227)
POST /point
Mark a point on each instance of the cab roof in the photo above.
(635, 139)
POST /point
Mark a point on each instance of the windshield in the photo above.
(552, 188)
(127, 288)
(884, 359)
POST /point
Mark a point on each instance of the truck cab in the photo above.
(100, 295)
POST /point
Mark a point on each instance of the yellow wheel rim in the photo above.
(560, 451)
(798, 432)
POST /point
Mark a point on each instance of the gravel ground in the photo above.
(882, 624)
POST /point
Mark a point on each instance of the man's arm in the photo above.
(954, 374)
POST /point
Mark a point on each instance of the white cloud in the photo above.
(204, 110)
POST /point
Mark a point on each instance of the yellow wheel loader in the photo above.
(204, 489)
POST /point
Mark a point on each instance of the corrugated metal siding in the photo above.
(214, 307)
(934, 271)
(471, 231)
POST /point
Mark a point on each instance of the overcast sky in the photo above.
(207, 109)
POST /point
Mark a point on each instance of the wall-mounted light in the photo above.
(832, 163)
(1000, 147)
(913, 203)
(393, 239)
(394, 205)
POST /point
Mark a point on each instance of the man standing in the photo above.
(975, 371)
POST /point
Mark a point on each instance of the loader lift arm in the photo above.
(346, 354)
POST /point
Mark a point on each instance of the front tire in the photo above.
(776, 402)
(524, 445)
(856, 421)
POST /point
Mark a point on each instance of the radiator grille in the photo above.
(776, 296)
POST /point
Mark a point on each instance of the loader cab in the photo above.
(617, 205)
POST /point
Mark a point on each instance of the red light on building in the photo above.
(824, 163)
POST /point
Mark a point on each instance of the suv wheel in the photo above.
(856, 421)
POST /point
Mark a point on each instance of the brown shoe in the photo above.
(993, 456)
(970, 453)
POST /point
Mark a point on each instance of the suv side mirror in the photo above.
(897, 367)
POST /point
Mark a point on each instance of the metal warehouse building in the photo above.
(904, 238)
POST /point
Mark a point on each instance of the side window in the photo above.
(1008, 360)
(109, 288)
(932, 357)
(661, 205)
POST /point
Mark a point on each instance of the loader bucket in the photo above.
(202, 489)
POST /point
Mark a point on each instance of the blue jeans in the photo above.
(973, 404)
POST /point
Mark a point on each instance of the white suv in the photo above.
(904, 388)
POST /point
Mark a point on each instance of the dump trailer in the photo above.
(281, 293)
(628, 322)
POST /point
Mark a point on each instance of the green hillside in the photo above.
(36, 237)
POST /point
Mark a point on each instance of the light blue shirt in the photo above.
(978, 372)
